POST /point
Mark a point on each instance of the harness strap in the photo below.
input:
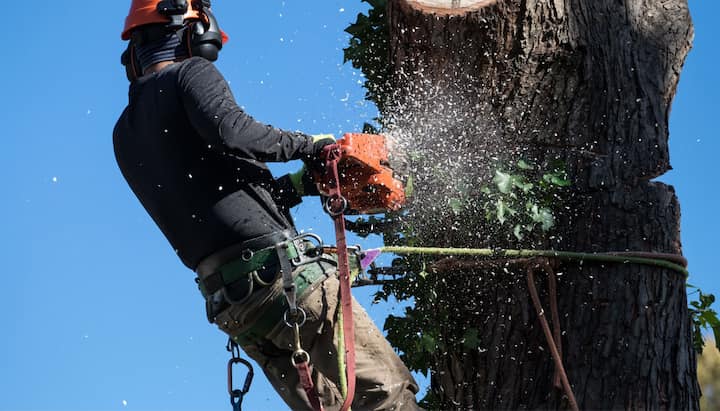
(249, 261)
(287, 278)
(304, 373)
(336, 205)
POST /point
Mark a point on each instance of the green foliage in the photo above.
(703, 317)
(368, 49)
(519, 199)
(415, 339)
(522, 197)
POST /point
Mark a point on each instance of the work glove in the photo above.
(303, 183)
(316, 162)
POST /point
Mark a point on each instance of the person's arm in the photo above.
(216, 116)
(286, 194)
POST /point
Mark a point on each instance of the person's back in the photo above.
(203, 194)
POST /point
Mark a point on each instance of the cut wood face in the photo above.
(449, 6)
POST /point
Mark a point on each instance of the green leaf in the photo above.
(423, 273)
(547, 219)
(522, 184)
(560, 181)
(517, 231)
(503, 211)
(409, 186)
(524, 165)
(427, 343)
(542, 215)
(471, 340)
(456, 205)
(503, 181)
(707, 299)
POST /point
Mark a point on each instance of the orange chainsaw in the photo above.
(358, 178)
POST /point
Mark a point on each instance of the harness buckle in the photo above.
(303, 257)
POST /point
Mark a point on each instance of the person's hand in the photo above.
(317, 163)
(303, 182)
(320, 137)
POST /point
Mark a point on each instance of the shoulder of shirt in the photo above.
(194, 63)
(189, 69)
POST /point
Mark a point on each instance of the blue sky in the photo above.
(97, 312)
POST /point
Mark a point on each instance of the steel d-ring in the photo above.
(231, 300)
(300, 353)
(332, 210)
(299, 323)
(247, 255)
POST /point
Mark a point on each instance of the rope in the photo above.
(336, 206)
(670, 261)
(554, 340)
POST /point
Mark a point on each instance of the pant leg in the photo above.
(383, 382)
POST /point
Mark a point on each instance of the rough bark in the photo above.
(589, 82)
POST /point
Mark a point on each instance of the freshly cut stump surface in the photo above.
(449, 6)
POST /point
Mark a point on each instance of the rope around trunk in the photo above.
(539, 259)
(673, 262)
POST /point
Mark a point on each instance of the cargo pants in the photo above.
(383, 382)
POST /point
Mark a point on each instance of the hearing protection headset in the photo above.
(202, 35)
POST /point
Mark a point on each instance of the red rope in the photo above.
(336, 207)
(557, 332)
(304, 373)
(553, 343)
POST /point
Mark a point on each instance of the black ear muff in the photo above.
(205, 37)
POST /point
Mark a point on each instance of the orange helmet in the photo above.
(144, 12)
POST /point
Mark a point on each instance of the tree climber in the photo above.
(196, 162)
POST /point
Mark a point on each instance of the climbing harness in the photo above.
(237, 396)
(287, 254)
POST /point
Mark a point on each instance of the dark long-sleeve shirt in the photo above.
(195, 160)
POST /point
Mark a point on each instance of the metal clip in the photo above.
(300, 355)
(288, 283)
(237, 396)
(303, 254)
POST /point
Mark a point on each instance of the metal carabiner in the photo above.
(236, 396)
(299, 356)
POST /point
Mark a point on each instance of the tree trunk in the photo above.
(589, 82)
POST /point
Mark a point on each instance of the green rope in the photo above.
(563, 255)
(341, 353)
(497, 253)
